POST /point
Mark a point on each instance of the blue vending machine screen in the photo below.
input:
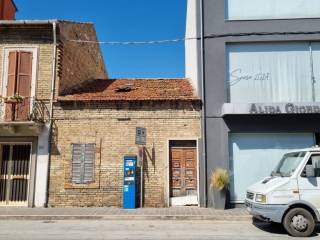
(129, 182)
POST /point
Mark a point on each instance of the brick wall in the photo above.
(7, 10)
(32, 38)
(77, 62)
(80, 61)
(112, 127)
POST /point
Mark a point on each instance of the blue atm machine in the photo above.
(129, 182)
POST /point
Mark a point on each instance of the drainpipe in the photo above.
(53, 83)
(203, 98)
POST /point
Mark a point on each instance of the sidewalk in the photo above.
(174, 213)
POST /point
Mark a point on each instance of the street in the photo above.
(139, 230)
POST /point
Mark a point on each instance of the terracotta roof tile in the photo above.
(132, 90)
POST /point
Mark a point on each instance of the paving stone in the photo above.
(112, 213)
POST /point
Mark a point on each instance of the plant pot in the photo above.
(219, 199)
(12, 100)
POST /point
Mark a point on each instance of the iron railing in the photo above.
(20, 109)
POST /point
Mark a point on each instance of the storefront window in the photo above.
(273, 72)
(271, 9)
(254, 156)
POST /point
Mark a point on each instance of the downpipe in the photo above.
(203, 99)
(53, 83)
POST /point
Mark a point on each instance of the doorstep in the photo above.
(173, 213)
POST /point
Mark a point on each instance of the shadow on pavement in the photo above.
(275, 228)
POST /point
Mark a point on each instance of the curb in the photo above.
(123, 217)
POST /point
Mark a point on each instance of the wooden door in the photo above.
(183, 172)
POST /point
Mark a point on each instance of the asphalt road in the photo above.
(139, 230)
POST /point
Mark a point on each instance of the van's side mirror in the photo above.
(310, 171)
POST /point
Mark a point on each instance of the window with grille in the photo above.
(83, 161)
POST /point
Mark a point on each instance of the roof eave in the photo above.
(27, 22)
(131, 100)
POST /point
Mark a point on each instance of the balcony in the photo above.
(22, 115)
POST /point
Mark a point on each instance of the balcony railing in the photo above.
(23, 109)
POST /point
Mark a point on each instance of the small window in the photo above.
(83, 161)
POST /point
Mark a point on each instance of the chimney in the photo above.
(8, 10)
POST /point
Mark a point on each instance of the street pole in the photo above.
(141, 150)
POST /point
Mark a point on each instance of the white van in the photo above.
(291, 195)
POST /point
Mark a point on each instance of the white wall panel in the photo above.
(271, 9)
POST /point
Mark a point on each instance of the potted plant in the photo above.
(13, 99)
(220, 183)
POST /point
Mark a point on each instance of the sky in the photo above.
(124, 20)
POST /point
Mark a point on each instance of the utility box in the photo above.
(129, 182)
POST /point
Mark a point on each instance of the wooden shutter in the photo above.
(77, 159)
(19, 83)
(23, 88)
(83, 158)
(90, 150)
(11, 84)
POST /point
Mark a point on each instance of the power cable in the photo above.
(134, 42)
(211, 36)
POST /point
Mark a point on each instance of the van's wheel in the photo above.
(299, 222)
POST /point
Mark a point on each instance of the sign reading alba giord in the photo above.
(288, 108)
(141, 139)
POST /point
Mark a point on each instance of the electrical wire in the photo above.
(211, 36)
(134, 42)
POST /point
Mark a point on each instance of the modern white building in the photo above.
(259, 81)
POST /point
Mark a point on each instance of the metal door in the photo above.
(183, 172)
(14, 174)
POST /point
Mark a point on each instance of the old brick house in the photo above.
(100, 117)
(57, 103)
(49, 94)
(37, 63)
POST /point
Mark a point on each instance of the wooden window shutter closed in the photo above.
(19, 83)
(11, 84)
(90, 150)
(76, 163)
(83, 159)
(23, 88)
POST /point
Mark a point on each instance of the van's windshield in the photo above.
(288, 164)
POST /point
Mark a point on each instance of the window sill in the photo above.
(94, 185)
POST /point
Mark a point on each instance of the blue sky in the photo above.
(123, 20)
